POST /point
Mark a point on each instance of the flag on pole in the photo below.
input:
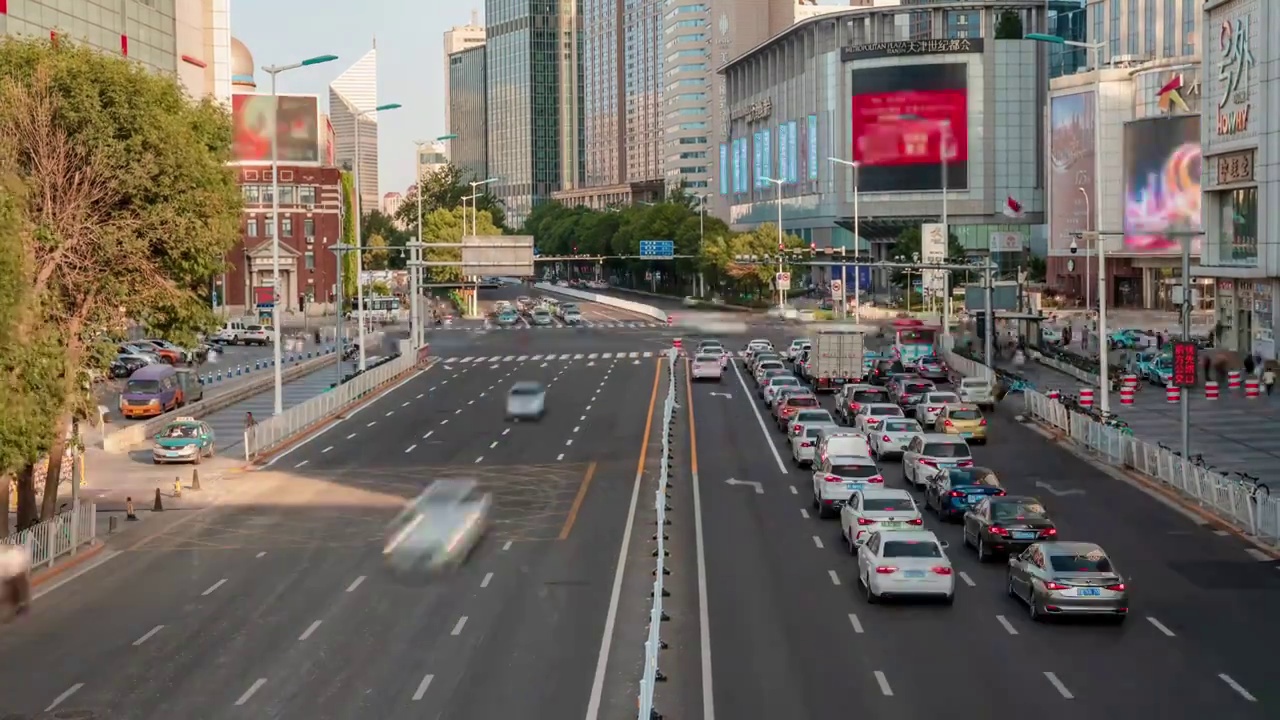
(1012, 208)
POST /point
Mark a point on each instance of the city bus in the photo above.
(382, 309)
(912, 340)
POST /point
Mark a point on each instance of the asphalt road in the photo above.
(790, 635)
(280, 608)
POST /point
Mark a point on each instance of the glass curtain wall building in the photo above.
(468, 112)
(642, 73)
(687, 75)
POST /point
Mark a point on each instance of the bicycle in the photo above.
(1260, 491)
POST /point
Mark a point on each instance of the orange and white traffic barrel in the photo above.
(1126, 394)
(1233, 380)
(1211, 390)
(1173, 394)
(1086, 397)
(1252, 389)
(1054, 395)
(676, 343)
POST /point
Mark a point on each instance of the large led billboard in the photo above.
(1162, 163)
(297, 127)
(906, 119)
(1072, 168)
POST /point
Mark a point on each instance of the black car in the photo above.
(124, 366)
(1007, 524)
(883, 370)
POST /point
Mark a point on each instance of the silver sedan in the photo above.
(1068, 578)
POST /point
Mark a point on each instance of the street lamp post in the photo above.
(857, 242)
(273, 71)
(782, 294)
(360, 316)
(338, 339)
(1095, 49)
(417, 333)
(701, 290)
(475, 230)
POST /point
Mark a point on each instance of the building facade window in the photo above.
(1113, 33)
(1189, 27)
(307, 195)
(1134, 37)
(310, 260)
(251, 228)
(1238, 228)
(288, 193)
(1170, 28)
(252, 194)
(269, 225)
(1149, 27)
(308, 227)
(1098, 24)
(286, 227)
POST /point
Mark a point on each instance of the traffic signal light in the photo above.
(575, 249)
(813, 246)
(781, 247)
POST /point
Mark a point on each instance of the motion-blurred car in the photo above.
(255, 335)
(977, 391)
(185, 440)
(796, 347)
(853, 397)
(893, 436)
(871, 415)
(769, 390)
(125, 365)
(507, 318)
(877, 509)
(439, 529)
(950, 494)
(963, 419)
(1068, 578)
(572, 317)
(1007, 524)
(896, 563)
(931, 368)
(786, 408)
(170, 353)
(764, 366)
(932, 405)
(707, 366)
(527, 400)
(808, 416)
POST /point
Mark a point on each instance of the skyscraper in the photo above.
(352, 93)
(457, 39)
(468, 111)
(642, 72)
(532, 66)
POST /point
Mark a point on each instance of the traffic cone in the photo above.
(195, 479)
(177, 488)
(128, 509)
(159, 504)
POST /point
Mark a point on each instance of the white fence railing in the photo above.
(1242, 504)
(653, 643)
(635, 307)
(64, 534)
(270, 433)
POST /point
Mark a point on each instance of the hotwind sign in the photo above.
(1234, 69)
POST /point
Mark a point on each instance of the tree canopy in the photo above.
(909, 247)
(394, 238)
(445, 189)
(445, 226)
(124, 207)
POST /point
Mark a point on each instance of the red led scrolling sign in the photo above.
(1184, 364)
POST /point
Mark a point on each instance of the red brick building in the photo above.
(310, 224)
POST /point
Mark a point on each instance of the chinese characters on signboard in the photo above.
(1234, 65)
(1184, 364)
(910, 47)
(1235, 167)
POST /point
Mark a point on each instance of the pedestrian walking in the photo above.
(1269, 380)
(1249, 365)
(249, 422)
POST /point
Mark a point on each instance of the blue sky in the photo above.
(410, 60)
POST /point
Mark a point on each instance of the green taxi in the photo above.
(184, 440)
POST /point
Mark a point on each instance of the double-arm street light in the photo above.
(1095, 49)
(417, 325)
(273, 71)
(360, 316)
(782, 294)
(857, 243)
(475, 230)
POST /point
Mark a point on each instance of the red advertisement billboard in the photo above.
(906, 120)
(296, 119)
(330, 143)
(1162, 184)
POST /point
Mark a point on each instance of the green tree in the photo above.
(348, 236)
(130, 202)
(379, 223)
(444, 189)
(1009, 26)
(1036, 269)
(445, 226)
(908, 248)
(376, 256)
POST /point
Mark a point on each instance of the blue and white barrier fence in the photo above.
(221, 375)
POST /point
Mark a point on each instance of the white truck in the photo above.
(836, 356)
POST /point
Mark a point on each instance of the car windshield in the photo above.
(807, 401)
(526, 391)
(709, 358)
(909, 426)
(1006, 511)
(965, 415)
(784, 381)
(943, 398)
(854, 471)
(888, 505)
(1092, 562)
(977, 385)
(813, 432)
(813, 415)
(886, 411)
(769, 365)
(911, 549)
(142, 387)
(916, 388)
(181, 431)
(870, 396)
(255, 328)
(946, 450)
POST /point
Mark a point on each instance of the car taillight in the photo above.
(930, 463)
(873, 421)
(999, 492)
(1050, 585)
(1051, 532)
(934, 409)
(833, 478)
(885, 438)
(1118, 587)
(866, 521)
(956, 493)
(876, 479)
(942, 570)
(915, 521)
(854, 406)
(795, 428)
(997, 530)
(966, 463)
(886, 570)
(806, 443)
(983, 421)
(948, 423)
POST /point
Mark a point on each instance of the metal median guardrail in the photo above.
(1245, 505)
(650, 676)
(275, 431)
(64, 534)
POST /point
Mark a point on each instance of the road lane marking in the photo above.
(457, 629)
(1008, 626)
(214, 586)
(967, 580)
(327, 449)
(568, 442)
(479, 459)
(471, 402)
(406, 403)
(794, 491)
(304, 462)
(504, 432)
(883, 682)
(1161, 627)
(856, 623)
(559, 457)
(372, 423)
(817, 541)
(506, 545)
(148, 635)
(390, 413)
(576, 428)
(429, 434)
(577, 501)
(310, 629)
(355, 584)
(835, 579)
(1057, 685)
(493, 444)
(1230, 683)
(421, 687)
(488, 578)
(63, 697)
(257, 684)
(261, 554)
(804, 513)
(444, 421)
(704, 611)
(418, 398)
(611, 616)
(410, 449)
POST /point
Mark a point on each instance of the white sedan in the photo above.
(931, 405)
(804, 443)
(871, 415)
(893, 436)
(882, 509)
(898, 563)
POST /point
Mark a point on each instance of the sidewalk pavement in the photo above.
(1232, 433)
(110, 479)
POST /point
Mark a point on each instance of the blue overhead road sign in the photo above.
(657, 248)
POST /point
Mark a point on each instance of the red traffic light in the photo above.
(813, 246)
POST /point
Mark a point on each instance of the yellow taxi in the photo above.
(963, 419)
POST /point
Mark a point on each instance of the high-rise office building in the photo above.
(456, 40)
(1144, 30)
(689, 100)
(352, 97)
(643, 61)
(468, 110)
(431, 157)
(532, 67)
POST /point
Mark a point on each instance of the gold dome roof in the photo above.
(241, 65)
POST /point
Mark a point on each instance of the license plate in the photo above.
(976, 497)
(913, 573)
(1024, 536)
(1089, 592)
(852, 486)
(172, 454)
(891, 525)
(966, 434)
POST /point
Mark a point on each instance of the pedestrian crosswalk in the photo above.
(557, 357)
(637, 324)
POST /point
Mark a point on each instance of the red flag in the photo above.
(1012, 208)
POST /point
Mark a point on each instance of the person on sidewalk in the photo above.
(15, 578)
(1268, 379)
